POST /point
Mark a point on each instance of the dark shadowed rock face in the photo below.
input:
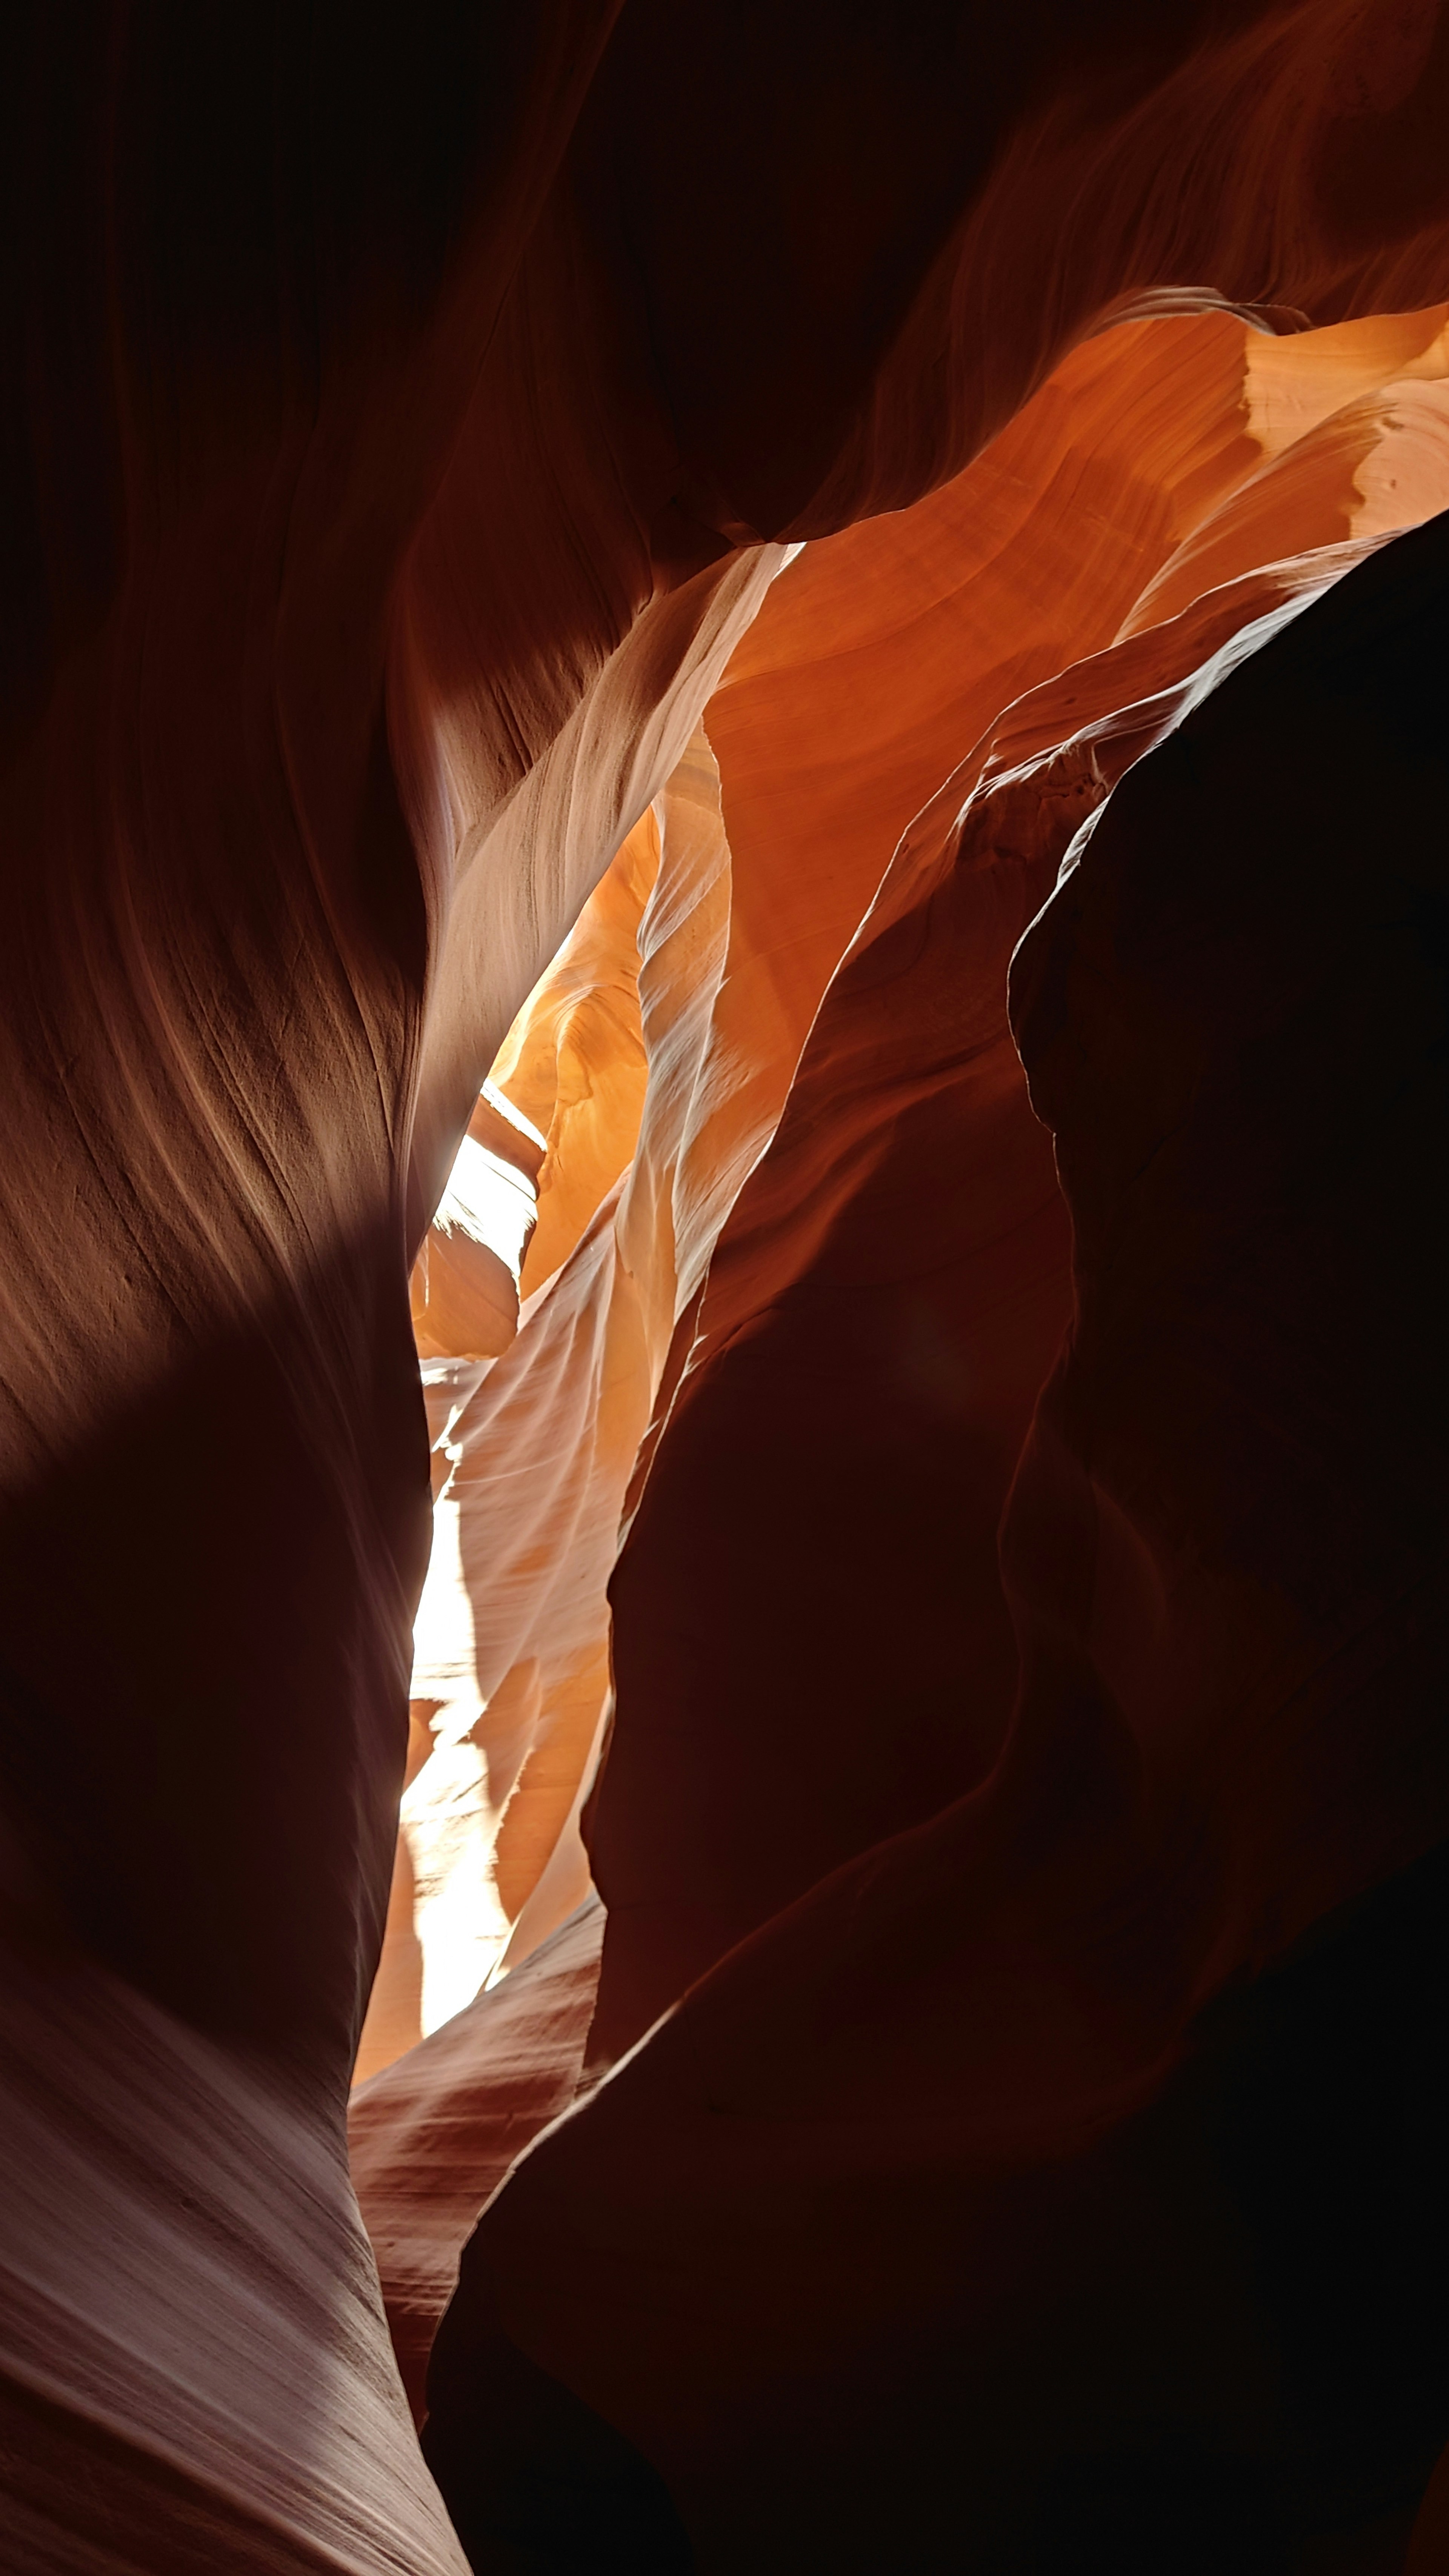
(535, 2479)
(1276, 2217)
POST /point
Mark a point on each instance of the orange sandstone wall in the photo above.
(1054, 2173)
(403, 419)
(825, 724)
(802, 1633)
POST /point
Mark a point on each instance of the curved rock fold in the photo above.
(727, 722)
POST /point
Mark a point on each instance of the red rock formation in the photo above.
(978, 2058)
(877, 639)
(848, 1128)
(396, 410)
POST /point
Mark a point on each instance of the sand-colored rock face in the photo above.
(964, 2056)
(876, 655)
(406, 419)
(879, 1662)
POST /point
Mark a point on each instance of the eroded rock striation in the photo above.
(1132, 2052)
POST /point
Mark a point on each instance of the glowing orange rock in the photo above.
(991, 2057)
(722, 1606)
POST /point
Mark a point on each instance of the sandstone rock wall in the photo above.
(404, 418)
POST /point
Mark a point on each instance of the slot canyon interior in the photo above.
(724, 1311)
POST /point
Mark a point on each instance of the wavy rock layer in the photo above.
(852, 643)
(403, 420)
(844, 1263)
(433, 2135)
(987, 2056)
(961, 1303)
(871, 661)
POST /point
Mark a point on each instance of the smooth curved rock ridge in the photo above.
(985, 2038)
(846, 1261)
(1385, 448)
(1320, 128)
(908, 617)
(224, 2396)
(433, 2135)
(686, 1853)
(934, 585)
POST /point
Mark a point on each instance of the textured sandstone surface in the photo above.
(986, 2037)
(873, 658)
(433, 2135)
(852, 1184)
(408, 420)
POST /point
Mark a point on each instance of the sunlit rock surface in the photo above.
(922, 566)
(405, 422)
(1000, 2081)
(899, 1085)
(877, 655)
